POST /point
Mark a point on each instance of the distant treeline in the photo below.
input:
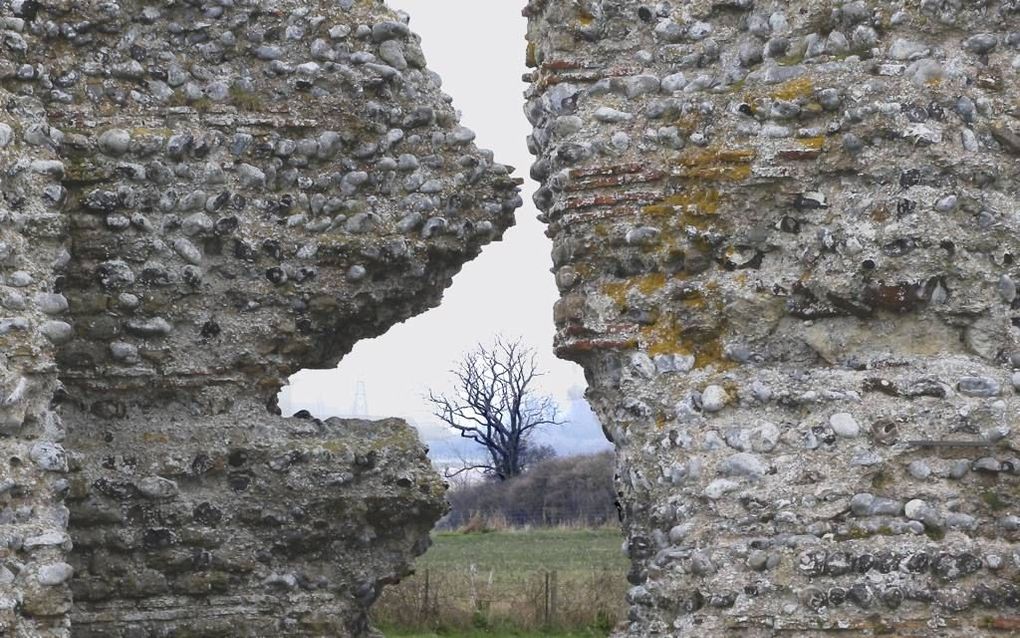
(574, 491)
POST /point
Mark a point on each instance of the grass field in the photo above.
(559, 583)
(514, 551)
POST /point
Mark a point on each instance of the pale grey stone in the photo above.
(55, 574)
(844, 425)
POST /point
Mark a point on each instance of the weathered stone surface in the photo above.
(833, 189)
(198, 200)
(33, 463)
(276, 526)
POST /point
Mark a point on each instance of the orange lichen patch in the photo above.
(717, 165)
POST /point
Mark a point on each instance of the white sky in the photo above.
(478, 48)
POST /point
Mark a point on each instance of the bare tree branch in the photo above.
(495, 404)
(451, 473)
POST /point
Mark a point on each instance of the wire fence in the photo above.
(437, 600)
(524, 518)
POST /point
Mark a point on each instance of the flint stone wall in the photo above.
(198, 200)
(786, 242)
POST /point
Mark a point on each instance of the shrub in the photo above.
(569, 491)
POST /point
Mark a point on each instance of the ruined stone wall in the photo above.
(34, 595)
(198, 200)
(786, 237)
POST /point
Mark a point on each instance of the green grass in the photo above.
(512, 552)
(560, 583)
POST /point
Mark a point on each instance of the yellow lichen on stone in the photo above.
(667, 336)
(717, 165)
(650, 283)
(709, 352)
(688, 123)
(813, 143)
(617, 291)
(794, 89)
(150, 132)
(663, 337)
(693, 201)
(645, 284)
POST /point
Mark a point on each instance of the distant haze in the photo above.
(475, 46)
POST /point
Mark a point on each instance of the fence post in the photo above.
(546, 599)
(425, 602)
(553, 594)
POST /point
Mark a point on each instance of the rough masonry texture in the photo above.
(786, 237)
(198, 199)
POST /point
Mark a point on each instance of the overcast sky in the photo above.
(478, 48)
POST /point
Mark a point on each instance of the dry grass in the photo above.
(483, 524)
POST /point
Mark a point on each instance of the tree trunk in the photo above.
(785, 235)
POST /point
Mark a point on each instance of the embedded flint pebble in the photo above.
(825, 240)
(198, 200)
(979, 386)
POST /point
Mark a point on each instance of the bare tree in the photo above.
(495, 404)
